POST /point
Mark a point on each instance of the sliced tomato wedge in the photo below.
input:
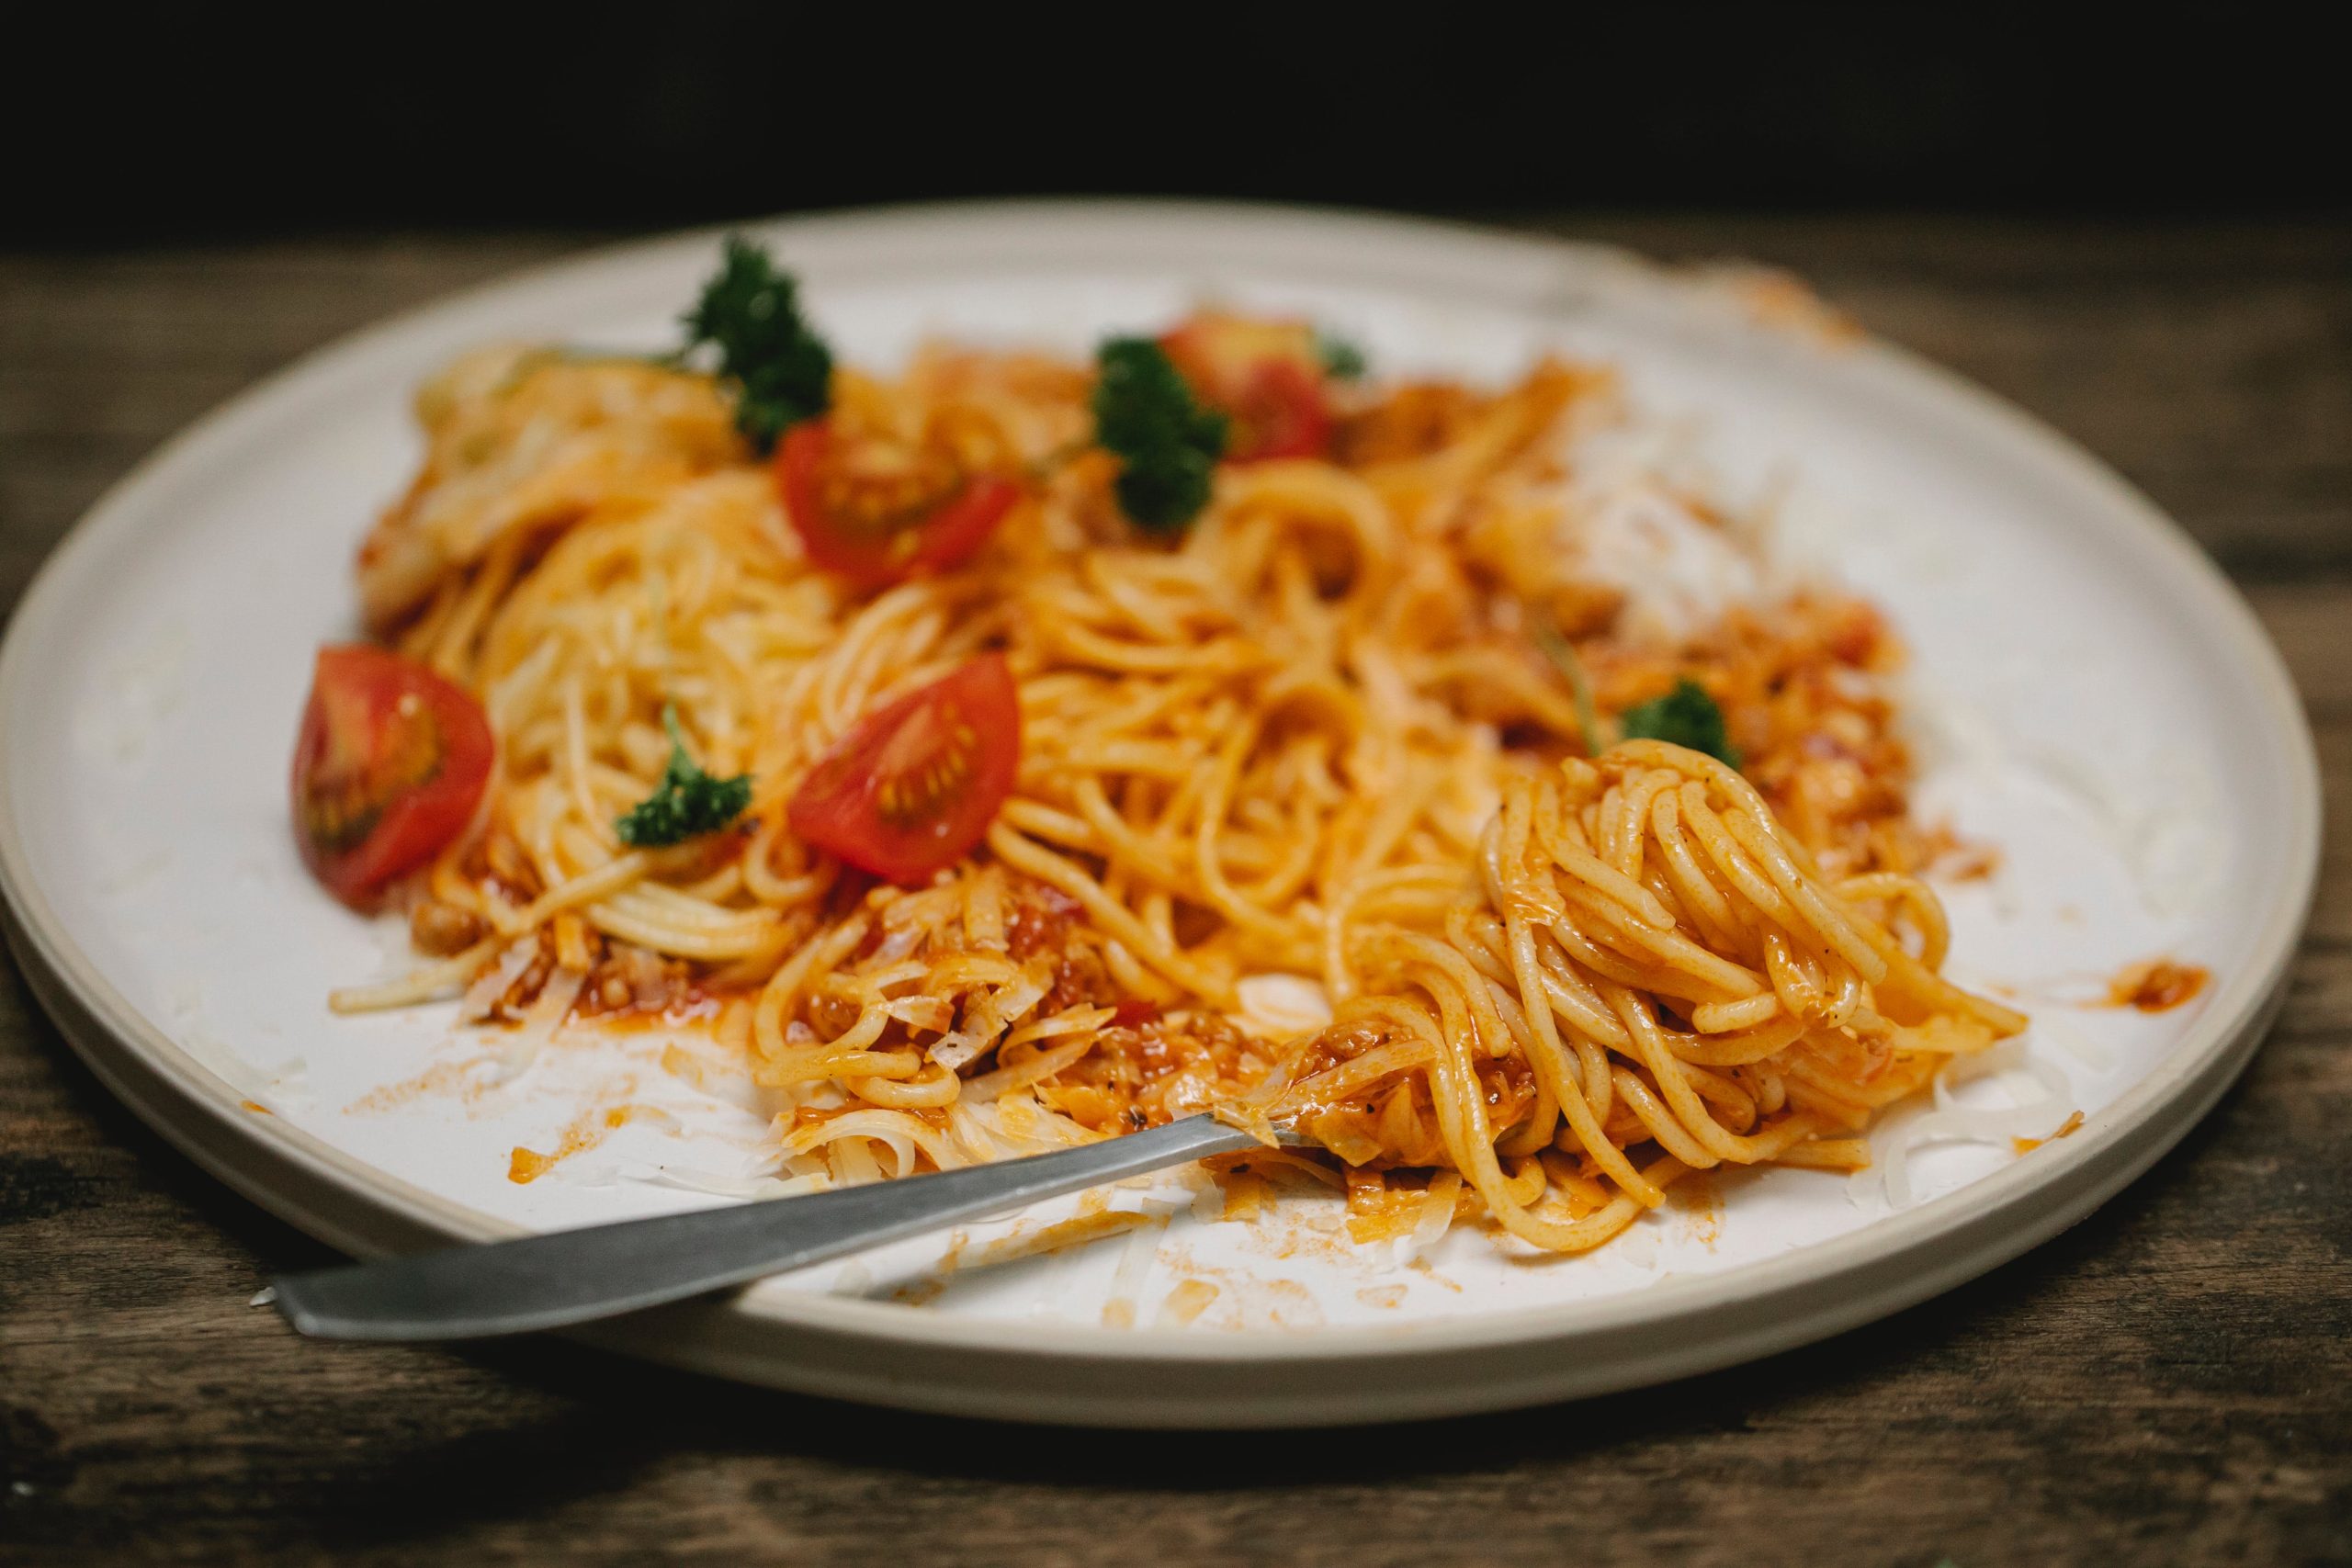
(1265, 376)
(1281, 411)
(915, 783)
(877, 525)
(391, 762)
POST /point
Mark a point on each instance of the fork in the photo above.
(578, 1275)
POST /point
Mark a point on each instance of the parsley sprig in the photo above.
(781, 370)
(1684, 717)
(1168, 445)
(687, 802)
(1343, 360)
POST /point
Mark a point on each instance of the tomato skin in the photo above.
(391, 762)
(1281, 411)
(946, 538)
(914, 784)
(1266, 375)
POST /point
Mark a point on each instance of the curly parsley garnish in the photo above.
(1342, 360)
(1168, 445)
(782, 371)
(1684, 717)
(687, 802)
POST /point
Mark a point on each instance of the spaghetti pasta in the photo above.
(1304, 828)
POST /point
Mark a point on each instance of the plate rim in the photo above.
(368, 1212)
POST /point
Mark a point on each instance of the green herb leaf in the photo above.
(781, 370)
(1563, 655)
(1684, 717)
(1168, 445)
(1342, 360)
(686, 802)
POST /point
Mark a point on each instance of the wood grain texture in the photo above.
(2170, 1381)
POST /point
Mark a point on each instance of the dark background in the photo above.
(177, 126)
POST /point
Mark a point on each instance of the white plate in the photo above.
(2101, 704)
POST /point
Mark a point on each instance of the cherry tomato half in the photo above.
(1265, 376)
(388, 767)
(880, 529)
(1280, 412)
(913, 784)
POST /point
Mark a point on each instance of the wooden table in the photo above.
(2170, 1381)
